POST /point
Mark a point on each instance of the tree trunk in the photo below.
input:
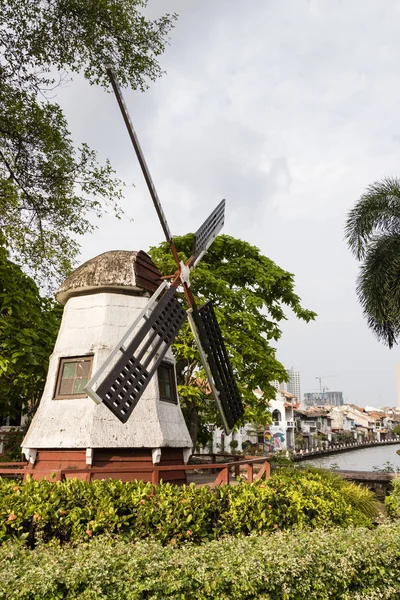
(193, 424)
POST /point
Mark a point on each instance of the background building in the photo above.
(292, 386)
(323, 398)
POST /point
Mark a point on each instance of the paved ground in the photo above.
(200, 478)
(207, 478)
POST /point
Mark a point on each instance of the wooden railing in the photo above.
(204, 459)
(10, 467)
(247, 466)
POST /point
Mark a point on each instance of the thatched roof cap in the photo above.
(118, 271)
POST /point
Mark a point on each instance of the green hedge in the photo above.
(351, 564)
(393, 500)
(75, 510)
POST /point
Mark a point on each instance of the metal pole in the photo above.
(150, 185)
(139, 154)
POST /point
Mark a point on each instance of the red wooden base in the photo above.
(107, 463)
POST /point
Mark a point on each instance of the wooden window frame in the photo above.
(62, 362)
(169, 366)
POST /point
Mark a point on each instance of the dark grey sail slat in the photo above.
(221, 369)
(122, 388)
(205, 235)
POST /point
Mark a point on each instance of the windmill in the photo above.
(124, 376)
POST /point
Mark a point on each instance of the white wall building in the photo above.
(226, 444)
(277, 436)
(281, 430)
(351, 418)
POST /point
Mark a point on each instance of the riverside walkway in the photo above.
(298, 455)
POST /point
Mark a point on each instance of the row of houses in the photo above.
(294, 428)
(321, 426)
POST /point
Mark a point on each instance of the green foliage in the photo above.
(12, 440)
(82, 35)
(392, 501)
(387, 467)
(75, 510)
(343, 436)
(47, 186)
(299, 441)
(233, 444)
(278, 459)
(333, 466)
(372, 231)
(396, 429)
(356, 495)
(28, 329)
(249, 292)
(353, 564)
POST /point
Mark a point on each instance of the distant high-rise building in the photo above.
(323, 398)
(280, 385)
(293, 385)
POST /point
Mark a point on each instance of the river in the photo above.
(364, 459)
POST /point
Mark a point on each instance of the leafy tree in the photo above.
(373, 235)
(396, 429)
(47, 186)
(299, 441)
(28, 329)
(249, 292)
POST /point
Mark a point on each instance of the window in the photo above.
(73, 375)
(276, 417)
(166, 383)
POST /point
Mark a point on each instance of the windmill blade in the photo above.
(217, 366)
(122, 387)
(139, 154)
(205, 235)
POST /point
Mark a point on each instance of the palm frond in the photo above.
(377, 211)
(378, 287)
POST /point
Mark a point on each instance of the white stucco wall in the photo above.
(219, 439)
(94, 324)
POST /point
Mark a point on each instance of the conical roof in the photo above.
(118, 271)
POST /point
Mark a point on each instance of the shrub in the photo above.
(75, 510)
(392, 501)
(356, 495)
(11, 445)
(352, 564)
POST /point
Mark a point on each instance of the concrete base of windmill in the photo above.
(108, 463)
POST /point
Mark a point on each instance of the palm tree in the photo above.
(373, 235)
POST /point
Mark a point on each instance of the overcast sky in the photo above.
(289, 110)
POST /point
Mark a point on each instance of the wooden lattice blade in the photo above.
(205, 235)
(216, 364)
(121, 389)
